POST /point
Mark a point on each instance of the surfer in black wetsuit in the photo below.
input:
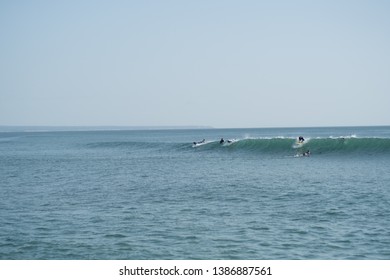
(222, 141)
(301, 139)
(307, 153)
(200, 142)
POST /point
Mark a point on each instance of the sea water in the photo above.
(153, 194)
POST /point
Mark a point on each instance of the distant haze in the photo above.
(194, 63)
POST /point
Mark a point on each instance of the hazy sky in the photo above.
(219, 63)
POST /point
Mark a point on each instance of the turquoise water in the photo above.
(152, 194)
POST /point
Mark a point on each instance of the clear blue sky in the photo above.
(218, 63)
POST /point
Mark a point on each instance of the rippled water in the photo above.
(152, 195)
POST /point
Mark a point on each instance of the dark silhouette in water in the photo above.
(200, 142)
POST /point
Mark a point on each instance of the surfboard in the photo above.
(195, 144)
(298, 144)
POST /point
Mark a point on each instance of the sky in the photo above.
(195, 63)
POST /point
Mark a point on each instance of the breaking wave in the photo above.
(330, 145)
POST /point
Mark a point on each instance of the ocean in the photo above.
(153, 194)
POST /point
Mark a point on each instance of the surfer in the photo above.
(301, 139)
(200, 142)
(307, 153)
(222, 141)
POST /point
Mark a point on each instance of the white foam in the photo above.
(344, 137)
(201, 144)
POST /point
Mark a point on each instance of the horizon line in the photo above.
(53, 128)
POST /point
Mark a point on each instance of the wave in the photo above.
(272, 145)
(286, 145)
(120, 144)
